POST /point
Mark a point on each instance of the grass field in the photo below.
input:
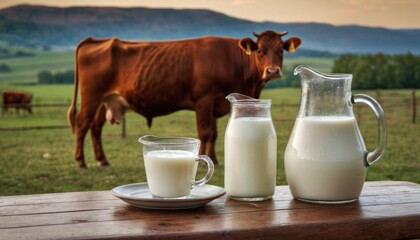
(41, 161)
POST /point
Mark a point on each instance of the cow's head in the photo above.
(268, 52)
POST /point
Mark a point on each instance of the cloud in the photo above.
(380, 5)
(242, 2)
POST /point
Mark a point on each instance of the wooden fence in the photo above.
(394, 107)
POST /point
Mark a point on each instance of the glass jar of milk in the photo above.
(250, 150)
(326, 159)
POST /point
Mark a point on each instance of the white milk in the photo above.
(250, 157)
(170, 172)
(324, 159)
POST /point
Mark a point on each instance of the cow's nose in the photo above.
(273, 71)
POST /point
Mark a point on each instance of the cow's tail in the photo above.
(71, 113)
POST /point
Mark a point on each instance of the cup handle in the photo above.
(210, 171)
(372, 157)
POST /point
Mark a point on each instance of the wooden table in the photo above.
(385, 210)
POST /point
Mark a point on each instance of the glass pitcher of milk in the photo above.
(326, 159)
(250, 149)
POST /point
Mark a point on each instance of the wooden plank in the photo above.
(123, 214)
(385, 210)
(55, 197)
(240, 224)
(220, 205)
(282, 192)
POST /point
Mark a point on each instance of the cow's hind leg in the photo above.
(96, 135)
(84, 120)
(82, 126)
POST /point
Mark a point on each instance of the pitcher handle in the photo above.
(372, 157)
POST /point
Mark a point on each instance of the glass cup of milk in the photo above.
(171, 165)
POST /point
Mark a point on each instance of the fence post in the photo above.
(378, 96)
(413, 119)
(123, 127)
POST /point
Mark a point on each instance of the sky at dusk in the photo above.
(377, 13)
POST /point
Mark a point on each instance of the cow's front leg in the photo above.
(211, 149)
(96, 135)
(204, 116)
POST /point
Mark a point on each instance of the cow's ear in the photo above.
(292, 44)
(247, 45)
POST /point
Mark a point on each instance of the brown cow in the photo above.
(17, 99)
(158, 78)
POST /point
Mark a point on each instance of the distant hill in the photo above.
(52, 26)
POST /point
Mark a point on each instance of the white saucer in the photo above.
(138, 194)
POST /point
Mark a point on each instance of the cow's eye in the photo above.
(259, 51)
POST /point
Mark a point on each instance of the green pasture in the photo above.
(41, 161)
(26, 69)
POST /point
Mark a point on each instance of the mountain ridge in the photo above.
(44, 25)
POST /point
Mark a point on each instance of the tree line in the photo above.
(46, 77)
(373, 71)
(370, 71)
(8, 53)
(4, 68)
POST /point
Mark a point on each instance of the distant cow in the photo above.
(158, 78)
(17, 99)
